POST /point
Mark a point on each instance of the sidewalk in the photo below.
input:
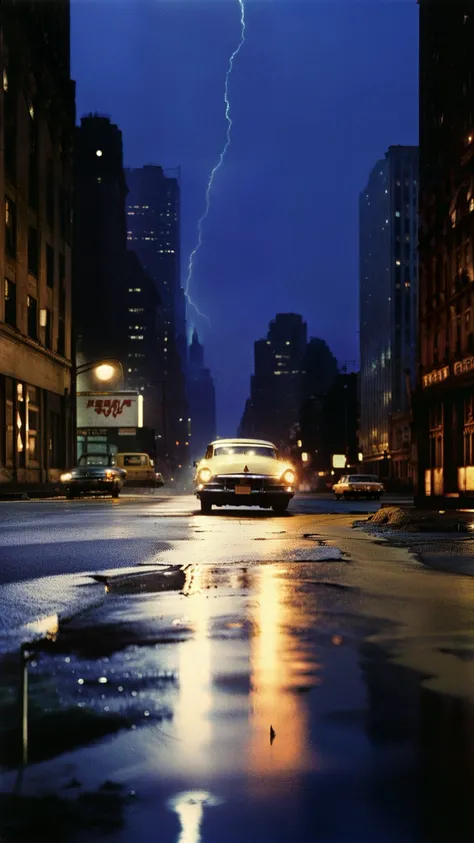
(27, 491)
(42, 491)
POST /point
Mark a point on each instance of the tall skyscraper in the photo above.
(444, 408)
(142, 372)
(153, 232)
(276, 387)
(202, 400)
(37, 108)
(100, 241)
(388, 224)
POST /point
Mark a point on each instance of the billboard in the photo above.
(109, 409)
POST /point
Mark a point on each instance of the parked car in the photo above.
(94, 473)
(244, 472)
(358, 486)
(140, 468)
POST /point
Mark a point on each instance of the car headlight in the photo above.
(205, 475)
(288, 476)
(66, 477)
(109, 475)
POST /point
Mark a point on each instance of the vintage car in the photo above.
(94, 473)
(140, 468)
(244, 472)
(358, 486)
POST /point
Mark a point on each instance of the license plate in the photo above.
(243, 490)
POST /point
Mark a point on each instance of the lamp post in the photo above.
(105, 373)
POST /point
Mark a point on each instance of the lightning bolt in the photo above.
(220, 161)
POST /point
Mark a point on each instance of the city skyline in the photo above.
(305, 259)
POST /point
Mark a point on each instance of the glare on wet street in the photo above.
(238, 676)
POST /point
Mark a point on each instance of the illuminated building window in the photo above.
(136, 336)
(5, 80)
(397, 214)
(99, 153)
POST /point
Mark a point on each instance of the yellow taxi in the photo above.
(139, 467)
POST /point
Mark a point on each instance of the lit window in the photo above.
(99, 180)
(31, 110)
(136, 336)
(399, 263)
(471, 205)
(99, 153)
(5, 80)
(397, 213)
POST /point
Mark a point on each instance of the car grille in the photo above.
(256, 483)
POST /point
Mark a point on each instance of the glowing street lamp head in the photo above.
(105, 372)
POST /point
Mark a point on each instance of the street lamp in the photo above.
(104, 371)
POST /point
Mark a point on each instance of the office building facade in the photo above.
(153, 232)
(202, 400)
(37, 117)
(100, 241)
(444, 408)
(276, 387)
(388, 301)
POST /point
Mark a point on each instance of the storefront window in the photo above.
(33, 426)
(20, 424)
(10, 429)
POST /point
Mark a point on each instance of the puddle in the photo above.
(257, 711)
(172, 578)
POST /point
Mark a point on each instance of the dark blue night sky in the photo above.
(319, 92)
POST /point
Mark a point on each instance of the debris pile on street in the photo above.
(411, 520)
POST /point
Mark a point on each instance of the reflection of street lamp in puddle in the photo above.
(189, 807)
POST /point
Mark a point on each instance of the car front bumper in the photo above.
(89, 484)
(265, 492)
(263, 499)
(361, 493)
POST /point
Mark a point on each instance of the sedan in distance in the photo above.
(358, 486)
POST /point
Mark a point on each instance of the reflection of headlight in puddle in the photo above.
(190, 809)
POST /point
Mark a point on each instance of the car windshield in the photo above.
(245, 450)
(95, 459)
(135, 459)
(363, 478)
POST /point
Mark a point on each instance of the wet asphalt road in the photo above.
(47, 538)
(263, 679)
